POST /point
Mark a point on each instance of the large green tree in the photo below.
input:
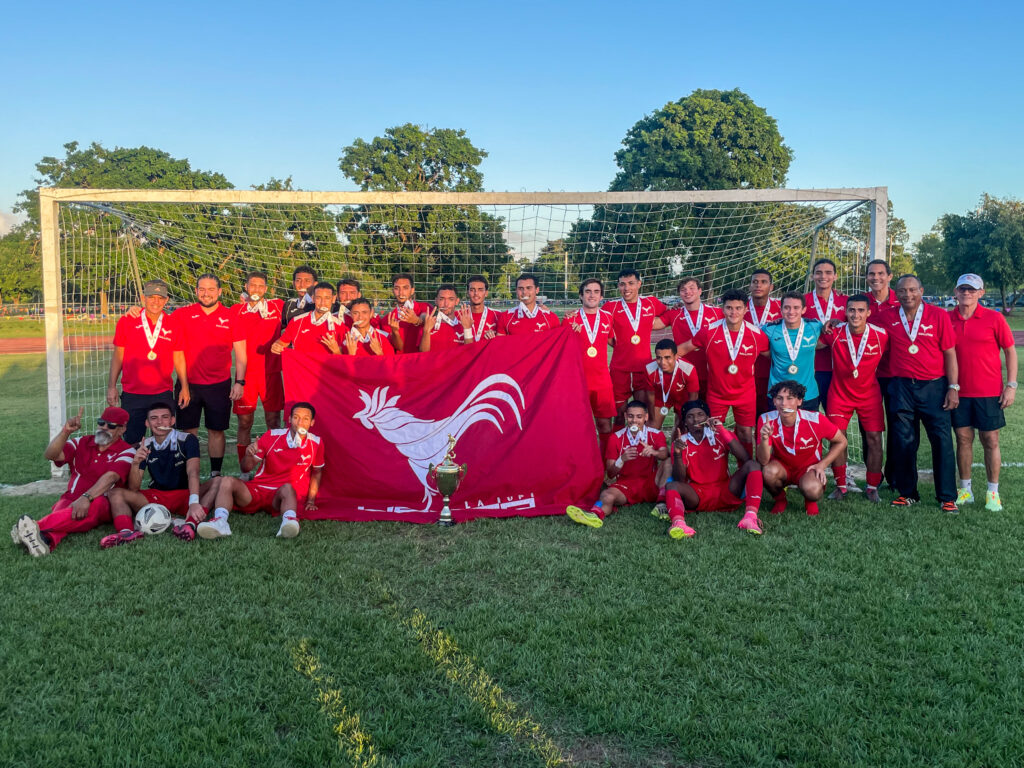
(931, 264)
(855, 232)
(21, 278)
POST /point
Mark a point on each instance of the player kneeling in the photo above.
(789, 446)
(172, 458)
(631, 460)
(700, 466)
(290, 464)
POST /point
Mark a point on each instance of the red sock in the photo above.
(241, 454)
(748, 447)
(661, 494)
(675, 504)
(874, 479)
(599, 511)
(780, 503)
(812, 507)
(123, 523)
(839, 472)
(754, 488)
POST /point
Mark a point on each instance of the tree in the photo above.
(930, 263)
(20, 268)
(988, 241)
(855, 231)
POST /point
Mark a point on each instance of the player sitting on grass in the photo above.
(172, 458)
(700, 466)
(631, 460)
(789, 446)
(290, 464)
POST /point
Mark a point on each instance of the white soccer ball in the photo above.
(153, 519)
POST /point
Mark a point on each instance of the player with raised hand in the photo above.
(530, 316)
(700, 466)
(172, 458)
(761, 310)
(824, 304)
(789, 447)
(259, 323)
(857, 351)
(290, 463)
(317, 333)
(673, 381)
(362, 339)
(479, 323)
(631, 461)
(442, 329)
(792, 342)
(406, 318)
(634, 318)
(593, 327)
(304, 279)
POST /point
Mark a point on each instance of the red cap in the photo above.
(115, 415)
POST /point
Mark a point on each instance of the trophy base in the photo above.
(445, 520)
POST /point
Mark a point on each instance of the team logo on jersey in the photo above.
(806, 440)
(425, 441)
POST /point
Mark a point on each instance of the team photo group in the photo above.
(788, 373)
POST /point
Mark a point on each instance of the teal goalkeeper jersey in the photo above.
(804, 359)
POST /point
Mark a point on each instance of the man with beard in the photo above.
(479, 323)
(406, 318)
(530, 316)
(303, 280)
(317, 333)
(98, 463)
(442, 329)
(350, 289)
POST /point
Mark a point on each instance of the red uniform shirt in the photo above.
(363, 347)
(770, 311)
(800, 445)
(678, 385)
(823, 358)
(516, 321)
(139, 374)
(979, 339)
(707, 460)
(642, 467)
(875, 309)
(486, 320)
(285, 463)
(409, 332)
(933, 336)
(260, 333)
(445, 335)
(847, 388)
(595, 366)
(87, 463)
(723, 385)
(376, 321)
(682, 333)
(628, 356)
(306, 337)
(207, 338)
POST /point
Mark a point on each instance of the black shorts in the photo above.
(982, 413)
(137, 407)
(212, 401)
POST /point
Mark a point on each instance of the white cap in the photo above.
(972, 280)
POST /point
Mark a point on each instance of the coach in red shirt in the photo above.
(980, 335)
(879, 277)
(924, 389)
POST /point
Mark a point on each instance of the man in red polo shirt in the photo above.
(824, 304)
(593, 328)
(317, 333)
(98, 463)
(762, 309)
(687, 320)
(529, 316)
(442, 329)
(924, 389)
(479, 323)
(981, 334)
(363, 340)
(673, 381)
(634, 317)
(147, 349)
(406, 318)
(878, 278)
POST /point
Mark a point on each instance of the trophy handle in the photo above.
(462, 471)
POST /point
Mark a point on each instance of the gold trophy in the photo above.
(447, 476)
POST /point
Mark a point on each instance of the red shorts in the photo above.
(602, 401)
(744, 408)
(625, 383)
(715, 496)
(269, 389)
(637, 490)
(262, 499)
(794, 473)
(870, 414)
(175, 501)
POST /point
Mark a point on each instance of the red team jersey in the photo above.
(363, 348)
(770, 311)
(484, 321)
(979, 340)
(207, 338)
(595, 366)
(516, 321)
(628, 356)
(823, 358)
(707, 460)
(284, 463)
(642, 468)
(678, 385)
(446, 335)
(87, 463)
(139, 374)
(723, 385)
(934, 335)
(409, 332)
(306, 337)
(682, 333)
(260, 333)
(862, 388)
(799, 446)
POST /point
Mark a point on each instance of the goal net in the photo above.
(103, 244)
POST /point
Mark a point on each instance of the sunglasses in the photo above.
(107, 424)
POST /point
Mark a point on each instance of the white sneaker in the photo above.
(30, 536)
(214, 529)
(289, 528)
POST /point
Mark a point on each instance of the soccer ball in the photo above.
(153, 519)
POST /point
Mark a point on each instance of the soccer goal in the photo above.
(100, 245)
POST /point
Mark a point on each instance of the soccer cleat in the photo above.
(871, 494)
(119, 538)
(583, 517)
(31, 537)
(185, 531)
(902, 501)
(750, 523)
(680, 530)
(660, 511)
(780, 504)
(993, 502)
(950, 507)
(837, 495)
(289, 528)
(964, 496)
(214, 529)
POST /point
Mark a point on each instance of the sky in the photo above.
(924, 98)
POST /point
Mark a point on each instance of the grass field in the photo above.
(863, 637)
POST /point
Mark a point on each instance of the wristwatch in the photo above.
(955, 387)
(240, 381)
(1011, 384)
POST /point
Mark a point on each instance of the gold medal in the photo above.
(734, 368)
(793, 369)
(591, 351)
(912, 349)
(151, 355)
(664, 410)
(856, 372)
(635, 338)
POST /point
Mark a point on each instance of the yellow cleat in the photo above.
(583, 517)
(992, 502)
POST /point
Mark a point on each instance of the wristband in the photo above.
(240, 381)
(87, 496)
(1011, 384)
(193, 498)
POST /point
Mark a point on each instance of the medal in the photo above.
(793, 349)
(152, 336)
(151, 355)
(591, 351)
(856, 373)
(694, 327)
(635, 338)
(664, 411)
(734, 368)
(734, 349)
(912, 332)
(793, 369)
(666, 392)
(591, 332)
(482, 326)
(912, 349)
(858, 355)
(634, 320)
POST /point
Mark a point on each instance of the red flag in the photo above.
(517, 407)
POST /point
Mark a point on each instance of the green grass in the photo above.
(863, 637)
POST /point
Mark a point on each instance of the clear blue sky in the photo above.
(922, 97)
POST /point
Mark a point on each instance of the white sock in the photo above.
(288, 513)
(965, 484)
(220, 514)
(993, 487)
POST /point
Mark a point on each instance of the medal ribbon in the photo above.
(641, 435)
(152, 337)
(824, 314)
(859, 355)
(478, 332)
(260, 306)
(734, 350)
(796, 430)
(634, 321)
(791, 348)
(661, 383)
(912, 332)
(700, 317)
(327, 317)
(591, 333)
(523, 311)
(759, 321)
